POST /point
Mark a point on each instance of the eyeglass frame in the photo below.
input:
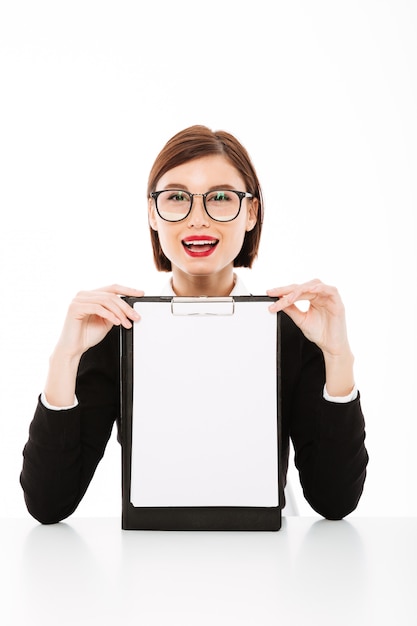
(241, 195)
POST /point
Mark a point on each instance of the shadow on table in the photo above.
(61, 581)
(330, 575)
(207, 577)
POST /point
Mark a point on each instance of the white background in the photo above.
(324, 96)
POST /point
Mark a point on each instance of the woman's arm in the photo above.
(65, 446)
(328, 437)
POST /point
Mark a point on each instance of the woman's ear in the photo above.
(152, 214)
(252, 217)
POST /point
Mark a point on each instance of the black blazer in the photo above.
(65, 447)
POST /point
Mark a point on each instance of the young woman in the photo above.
(205, 216)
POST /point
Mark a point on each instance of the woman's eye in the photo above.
(178, 197)
(219, 196)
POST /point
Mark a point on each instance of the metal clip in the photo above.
(202, 306)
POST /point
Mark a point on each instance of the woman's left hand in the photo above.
(324, 322)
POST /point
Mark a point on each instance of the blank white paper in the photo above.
(204, 427)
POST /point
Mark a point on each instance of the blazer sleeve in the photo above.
(328, 437)
(65, 447)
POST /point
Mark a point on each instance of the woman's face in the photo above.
(225, 239)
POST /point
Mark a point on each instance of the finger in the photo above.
(96, 303)
(297, 295)
(114, 291)
(310, 290)
(124, 312)
(326, 296)
(296, 315)
(288, 301)
(327, 290)
(121, 290)
(280, 291)
(297, 288)
(84, 310)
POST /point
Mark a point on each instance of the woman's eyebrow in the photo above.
(175, 186)
(212, 188)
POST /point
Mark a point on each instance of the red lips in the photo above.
(199, 245)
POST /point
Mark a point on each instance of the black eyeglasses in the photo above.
(222, 205)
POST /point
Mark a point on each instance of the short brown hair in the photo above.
(196, 142)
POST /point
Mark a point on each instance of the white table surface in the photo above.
(89, 571)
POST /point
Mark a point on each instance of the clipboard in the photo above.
(201, 415)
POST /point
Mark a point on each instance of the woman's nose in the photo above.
(198, 216)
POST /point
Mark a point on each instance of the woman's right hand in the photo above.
(92, 314)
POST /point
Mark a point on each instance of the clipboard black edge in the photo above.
(211, 518)
(216, 518)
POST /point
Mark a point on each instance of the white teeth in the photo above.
(200, 243)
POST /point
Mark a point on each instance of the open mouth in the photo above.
(200, 246)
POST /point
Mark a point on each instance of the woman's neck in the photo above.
(193, 286)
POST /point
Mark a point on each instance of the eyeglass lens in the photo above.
(221, 205)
